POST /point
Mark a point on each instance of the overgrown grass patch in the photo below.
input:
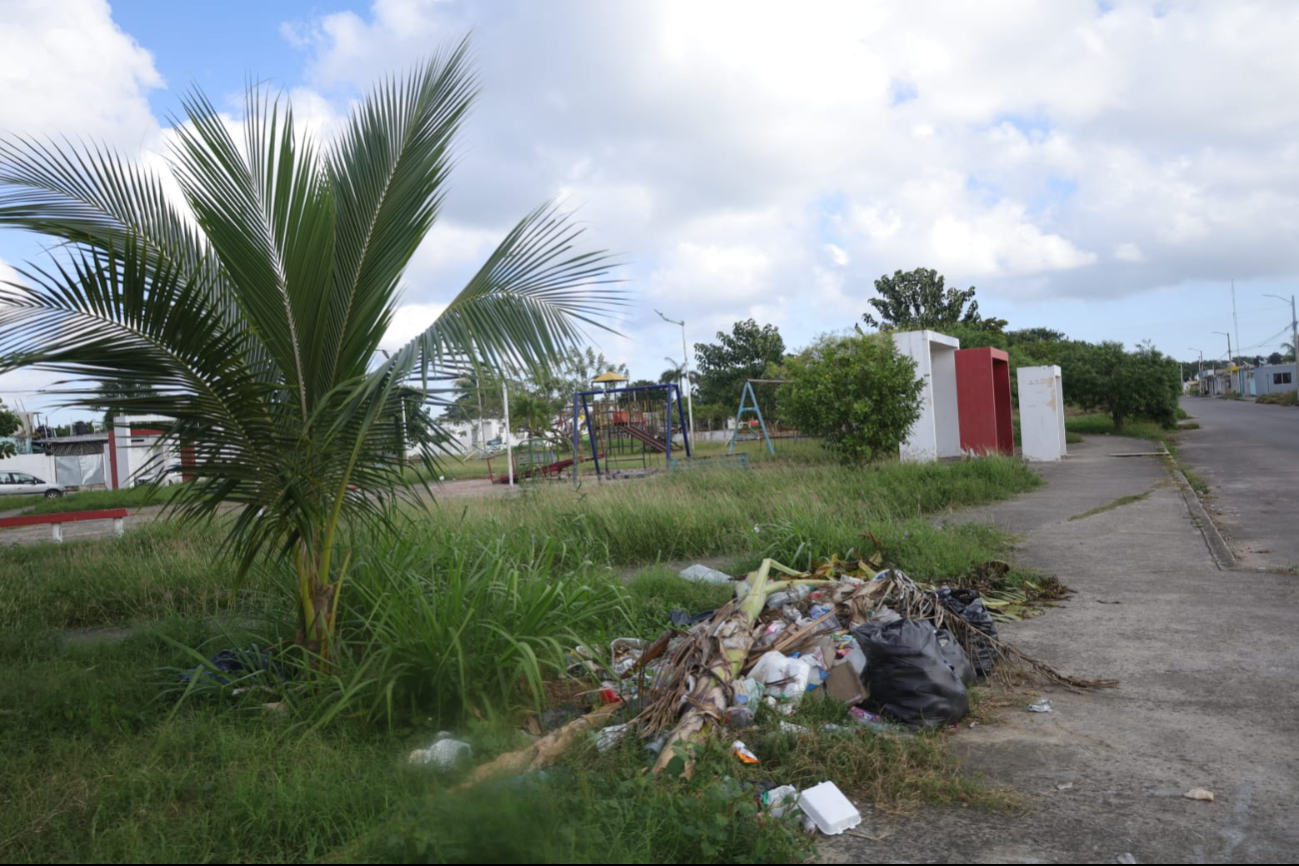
(92, 500)
(1285, 398)
(155, 571)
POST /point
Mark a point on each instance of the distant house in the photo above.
(1274, 379)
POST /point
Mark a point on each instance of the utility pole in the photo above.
(1228, 336)
(1294, 336)
(1236, 328)
(1199, 376)
(685, 372)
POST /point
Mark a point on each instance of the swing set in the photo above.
(755, 429)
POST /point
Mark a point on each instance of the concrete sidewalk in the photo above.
(1208, 697)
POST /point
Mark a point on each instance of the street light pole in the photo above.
(1228, 336)
(685, 372)
(1294, 336)
(1199, 376)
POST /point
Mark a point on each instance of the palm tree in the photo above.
(252, 312)
(1289, 351)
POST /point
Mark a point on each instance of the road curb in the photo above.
(1218, 547)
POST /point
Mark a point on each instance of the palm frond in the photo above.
(388, 171)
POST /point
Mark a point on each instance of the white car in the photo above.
(22, 483)
(161, 476)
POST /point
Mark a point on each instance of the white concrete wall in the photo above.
(1041, 413)
(937, 432)
(40, 465)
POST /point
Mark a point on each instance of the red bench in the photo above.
(56, 521)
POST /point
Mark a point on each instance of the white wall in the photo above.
(40, 465)
(1041, 413)
(937, 432)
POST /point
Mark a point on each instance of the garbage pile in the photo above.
(899, 654)
(846, 631)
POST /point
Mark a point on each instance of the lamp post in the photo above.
(685, 371)
(1199, 376)
(1294, 334)
(1228, 336)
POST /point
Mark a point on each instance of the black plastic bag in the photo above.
(955, 657)
(909, 674)
(967, 604)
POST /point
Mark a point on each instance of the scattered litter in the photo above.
(969, 606)
(739, 717)
(796, 730)
(1199, 794)
(1042, 706)
(237, 663)
(276, 706)
(444, 754)
(625, 652)
(742, 752)
(785, 678)
(1067, 786)
(681, 619)
(778, 800)
(702, 573)
(1105, 601)
(829, 809)
(1126, 858)
(559, 716)
(656, 745)
(610, 737)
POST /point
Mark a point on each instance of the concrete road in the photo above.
(1208, 695)
(1249, 454)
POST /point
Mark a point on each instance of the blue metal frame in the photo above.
(739, 415)
(579, 400)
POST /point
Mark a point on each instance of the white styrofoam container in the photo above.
(829, 809)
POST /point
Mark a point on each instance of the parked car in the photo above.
(22, 483)
(159, 475)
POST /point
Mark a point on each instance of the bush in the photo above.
(1125, 385)
(1285, 398)
(857, 393)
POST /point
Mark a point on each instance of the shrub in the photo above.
(856, 392)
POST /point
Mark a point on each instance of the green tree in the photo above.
(1143, 383)
(10, 424)
(256, 315)
(745, 353)
(856, 393)
(918, 299)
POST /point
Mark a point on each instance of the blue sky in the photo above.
(1105, 169)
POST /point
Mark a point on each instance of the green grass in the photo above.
(155, 571)
(1285, 398)
(445, 627)
(1098, 424)
(1117, 503)
(90, 500)
(685, 515)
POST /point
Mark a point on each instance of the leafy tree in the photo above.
(256, 316)
(120, 393)
(1276, 358)
(918, 299)
(532, 414)
(857, 393)
(10, 423)
(745, 353)
(1125, 385)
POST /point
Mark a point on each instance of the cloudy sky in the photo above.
(1103, 168)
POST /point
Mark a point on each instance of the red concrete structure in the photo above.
(983, 401)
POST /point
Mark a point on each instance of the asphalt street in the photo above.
(1249, 454)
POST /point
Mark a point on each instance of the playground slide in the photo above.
(549, 469)
(639, 434)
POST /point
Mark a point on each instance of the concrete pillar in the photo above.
(937, 432)
(1041, 413)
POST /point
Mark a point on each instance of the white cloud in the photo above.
(1129, 253)
(67, 69)
(408, 322)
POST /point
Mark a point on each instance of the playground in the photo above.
(615, 432)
